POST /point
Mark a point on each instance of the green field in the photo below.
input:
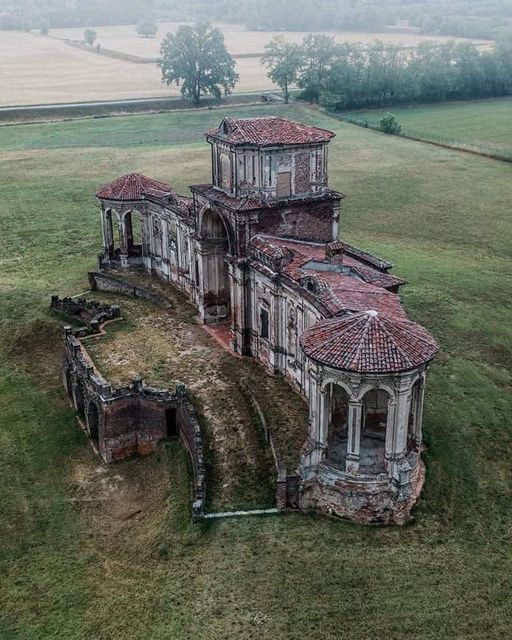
(484, 123)
(75, 563)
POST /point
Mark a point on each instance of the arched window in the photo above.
(215, 274)
(373, 431)
(225, 172)
(337, 423)
(133, 225)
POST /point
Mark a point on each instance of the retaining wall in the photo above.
(121, 421)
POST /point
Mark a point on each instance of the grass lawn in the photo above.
(486, 123)
(108, 553)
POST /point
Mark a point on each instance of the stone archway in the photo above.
(374, 421)
(133, 231)
(215, 284)
(336, 411)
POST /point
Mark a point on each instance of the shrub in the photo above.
(389, 124)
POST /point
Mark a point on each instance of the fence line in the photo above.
(487, 151)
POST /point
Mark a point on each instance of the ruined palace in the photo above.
(260, 252)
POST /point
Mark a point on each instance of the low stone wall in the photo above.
(121, 421)
(100, 281)
(287, 486)
(91, 312)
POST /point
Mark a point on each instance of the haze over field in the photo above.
(422, 153)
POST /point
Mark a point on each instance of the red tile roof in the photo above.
(131, 187)
(369, 342)
(268, 131)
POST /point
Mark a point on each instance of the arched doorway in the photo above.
(336, 406)
(79, 397)
(215, 275)
(133, 230)
(373, 431)
(93, 423)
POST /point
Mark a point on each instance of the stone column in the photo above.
(401, 423)
(318, 416)
(104, 231)
(146, 249)
(390, 431)
(418, 417)
(354, 435)
(239, 330)
(124, 242)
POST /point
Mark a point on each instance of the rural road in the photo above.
(20, 109)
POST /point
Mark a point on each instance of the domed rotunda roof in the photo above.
(369, 342)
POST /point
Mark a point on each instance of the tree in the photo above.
(90, 36)
(389, 124)
(196, 59)
(319, 53)
(147, 28)
(44, 29)
(284, 61)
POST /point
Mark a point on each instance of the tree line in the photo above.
(460, 18)
(346, 76)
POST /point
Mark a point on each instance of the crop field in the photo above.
(38, 70)
(46, 70)
(239, 40)
(96, 552)
(481, 123)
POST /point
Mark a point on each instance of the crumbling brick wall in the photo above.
(311, 222)
(121, 421)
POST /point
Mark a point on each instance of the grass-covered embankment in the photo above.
(94, 553)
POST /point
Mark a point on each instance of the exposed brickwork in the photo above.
(310, 222)
(258, 252)
(93, 314)
(121, 421)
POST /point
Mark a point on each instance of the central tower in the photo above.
(269, 176)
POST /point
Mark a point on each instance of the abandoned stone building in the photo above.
(259, 251)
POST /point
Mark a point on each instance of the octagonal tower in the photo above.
(367, 379)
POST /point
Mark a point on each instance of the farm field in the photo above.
(91, 551)
(45, 70)
(239, 40)
(38, 70)
(487, 123)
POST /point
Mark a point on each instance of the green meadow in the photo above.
(109, 553)
(485, 124)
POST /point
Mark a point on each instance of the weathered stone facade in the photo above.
(258, 250)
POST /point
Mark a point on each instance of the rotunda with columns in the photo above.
(362, 459)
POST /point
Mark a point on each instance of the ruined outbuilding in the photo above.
(258, 251)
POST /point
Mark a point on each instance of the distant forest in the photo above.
(469, 18)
